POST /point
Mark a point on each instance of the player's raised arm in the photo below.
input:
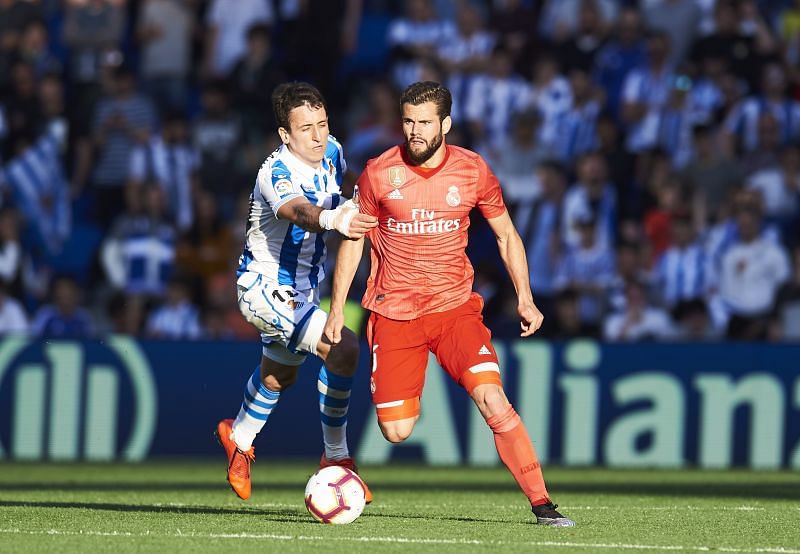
(512, 251)
(345, 218)
(347, 261)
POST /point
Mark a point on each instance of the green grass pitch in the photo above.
(187, 507)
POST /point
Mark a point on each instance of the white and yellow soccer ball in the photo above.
(336, 495)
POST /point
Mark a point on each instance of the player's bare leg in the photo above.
(334, 385)
(236, 436)
(399, 430)
(516, 450)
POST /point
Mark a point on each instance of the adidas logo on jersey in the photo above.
(484, 351)
(395, 195)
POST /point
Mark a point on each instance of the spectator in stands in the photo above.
(639, 321)
(706, 97)
(465, 56)
(376, 129)
(539, 223)
(592, 194)
(217, 134)
(624, 51)
(679, 20)
(494, 98)
(577, 126)
(693, 321)
(11, 251)
(253, 78)
(680, 271)
(511, 22)
(123, 120)
(34, 49)
(710, 177)
(15, 15)
(779, 187)
(632, 264)
(170, 160)
(13, 319)
(645, 92)
(751, 272)
(415, 37)
(578, 49)
(64, 317)
(177, 318)
(164, 30)
(127, 313)
(676, 122)
(785, 324)
(515, 158)
(227, 22)
(551, 96)
(139, 254)
(93, 31)
(741, 129)
(207, 248)
(588, 268)
(561, 18)
(567, 322)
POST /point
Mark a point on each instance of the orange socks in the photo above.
(516, 450)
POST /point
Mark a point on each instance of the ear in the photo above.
(447, 123)
(284, 134)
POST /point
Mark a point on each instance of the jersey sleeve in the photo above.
(335, 153)
(276, 186)
(367, 197)
(490, 196)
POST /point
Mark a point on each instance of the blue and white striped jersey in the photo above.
(276, 248)
(681, 274)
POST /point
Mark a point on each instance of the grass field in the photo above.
(180, 507)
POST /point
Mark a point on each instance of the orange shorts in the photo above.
(459, 339)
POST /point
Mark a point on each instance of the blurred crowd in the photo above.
(649, 153)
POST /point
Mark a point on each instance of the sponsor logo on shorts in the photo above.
(530, 467)
(484, 351)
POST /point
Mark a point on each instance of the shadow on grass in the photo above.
(286, 515)
(740, 490)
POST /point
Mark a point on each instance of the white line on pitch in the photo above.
(404, 540)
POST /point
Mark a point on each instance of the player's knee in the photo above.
(343, 357)
(490, 399)
(396, 432)
(279, 380)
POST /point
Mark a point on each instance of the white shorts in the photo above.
(291, 321)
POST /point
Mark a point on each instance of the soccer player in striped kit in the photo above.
(296, 199)
(420, 285)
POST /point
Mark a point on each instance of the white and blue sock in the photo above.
(334, 400)
(258, 403)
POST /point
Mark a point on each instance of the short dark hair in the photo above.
(428, 91)
(289, 96)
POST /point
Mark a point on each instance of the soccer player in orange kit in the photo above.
(420, 285)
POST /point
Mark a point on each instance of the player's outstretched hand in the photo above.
(360, 225)
(530, 318)
(333, 327)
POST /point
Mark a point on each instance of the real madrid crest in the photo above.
(397, 175)
(453, 198)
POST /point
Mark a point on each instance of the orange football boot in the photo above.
(238, 461)
(349, 463)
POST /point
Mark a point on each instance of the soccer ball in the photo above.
(335, 494)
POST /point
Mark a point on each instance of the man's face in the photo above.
(423, 131)
(307, 136)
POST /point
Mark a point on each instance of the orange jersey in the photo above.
(419, 263)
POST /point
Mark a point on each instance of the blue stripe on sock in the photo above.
(333, 402)
(254, 414)
(337, 382)
(268, 394)
(250, 400)
(332, 421)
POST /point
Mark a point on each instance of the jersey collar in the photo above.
(425, 173)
